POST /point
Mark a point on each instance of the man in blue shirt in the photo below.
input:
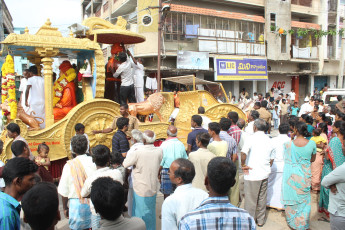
(119, 142)
(196, 125)
(173, 149)
(216, 212)
(19, 177)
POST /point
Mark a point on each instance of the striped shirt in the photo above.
(9, 212)
(232, 145)
(120, 143)
(217, 213)
(235, 132)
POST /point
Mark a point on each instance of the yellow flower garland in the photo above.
(8, 87)
(61, 83)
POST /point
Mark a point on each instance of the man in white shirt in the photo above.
(257, 152)
(306, 108)
(185, 198)
(73, 176)
(22, 89)
(139, 73)
(101, 157)
(276, 175)
(137, 142)
(127, 82)
(34, 95)
(292, 95)
(253, 115)
(146, 160)
(205, 119)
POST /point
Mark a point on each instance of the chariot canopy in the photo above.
(191, 80)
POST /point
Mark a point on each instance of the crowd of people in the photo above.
(225, 164)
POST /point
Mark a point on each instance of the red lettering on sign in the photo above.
(277, 84)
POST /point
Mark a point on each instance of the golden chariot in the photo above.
(95, 112)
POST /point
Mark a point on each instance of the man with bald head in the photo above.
(146, 159)
(173, 149)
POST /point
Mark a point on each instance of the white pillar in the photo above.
(236, 91)
(255, 87)
(311, 85)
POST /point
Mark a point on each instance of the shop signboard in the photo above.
(230, 69)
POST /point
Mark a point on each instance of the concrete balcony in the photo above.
(311, 53)
(123, 7)
(95, 4)
(223, 42)
(305, 7)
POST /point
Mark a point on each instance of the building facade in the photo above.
(280, 32)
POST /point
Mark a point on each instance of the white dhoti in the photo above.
(274, 190)
(151, 83)
(39, 112)
(139, 94)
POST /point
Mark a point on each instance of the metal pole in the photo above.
(341, 63)
(159, 45)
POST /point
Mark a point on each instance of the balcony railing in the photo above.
(304, 53)
(216, 41)
(307, 3)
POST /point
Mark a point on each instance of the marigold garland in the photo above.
(8, 87)
(61, 83)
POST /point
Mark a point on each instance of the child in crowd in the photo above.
(116, 163)
(317, 165)
(276, 117)
(294, 109)
(315, 112)
(80, 130)
(42, 159)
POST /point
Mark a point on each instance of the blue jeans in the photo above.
(276, 123)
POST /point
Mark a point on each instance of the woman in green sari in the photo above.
(296, 185)
(334, 157)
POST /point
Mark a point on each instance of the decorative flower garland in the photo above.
(301, 33)
(61, 83)
(8, 88)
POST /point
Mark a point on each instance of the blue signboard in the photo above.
(227, 69)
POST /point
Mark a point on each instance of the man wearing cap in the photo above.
(306, 108)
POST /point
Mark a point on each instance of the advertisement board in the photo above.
(193, 60)
(284, 82)
(229, 69)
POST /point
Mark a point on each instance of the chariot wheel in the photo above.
(97, 114)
